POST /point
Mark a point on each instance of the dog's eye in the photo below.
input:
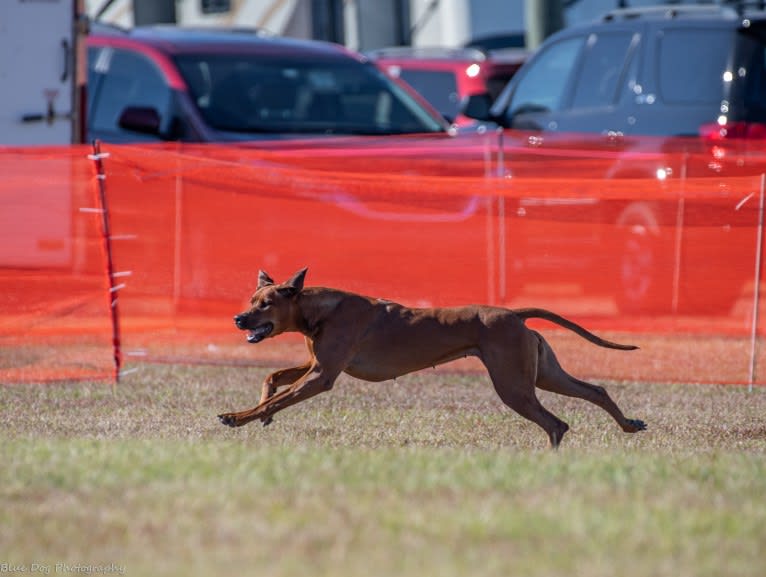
(263, 305)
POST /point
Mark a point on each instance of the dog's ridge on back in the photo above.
(376, 340)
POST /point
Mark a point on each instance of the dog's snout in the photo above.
(239, 320)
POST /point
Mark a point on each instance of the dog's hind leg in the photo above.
(514, 382)
(551, 377)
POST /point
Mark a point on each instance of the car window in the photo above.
(544, 83)
(260, 94)
(603, 64)
(691, 64)
(439, 87)
(751, 71)
(129, 79)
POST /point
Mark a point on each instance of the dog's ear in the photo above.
(297, 279)
(296, 282)
(264, 279)
(294, 285)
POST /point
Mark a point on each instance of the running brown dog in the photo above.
(377, 340)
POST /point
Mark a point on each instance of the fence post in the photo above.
(680, 215)
(756, 287)
(97, 157)
(177, 234)
(489, 203)
(501, 248)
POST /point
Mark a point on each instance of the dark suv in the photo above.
(168, 83)
(666, 93)
(668, 71)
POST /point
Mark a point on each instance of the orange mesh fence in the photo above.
(654, 243)
(54, 319)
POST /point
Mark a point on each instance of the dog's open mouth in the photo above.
(259, 333)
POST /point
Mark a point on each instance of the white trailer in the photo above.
(42, 71)
(284, 17)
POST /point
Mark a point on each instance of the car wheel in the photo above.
(644, 279)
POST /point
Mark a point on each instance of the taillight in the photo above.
(473, 70)
(732, 130)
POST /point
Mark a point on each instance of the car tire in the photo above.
(644, 283)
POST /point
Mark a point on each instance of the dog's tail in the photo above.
(524, 314)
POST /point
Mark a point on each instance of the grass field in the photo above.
(426, 476)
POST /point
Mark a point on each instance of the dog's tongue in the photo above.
(254, 336)
(258, 334)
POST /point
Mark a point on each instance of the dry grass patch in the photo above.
(428, 475)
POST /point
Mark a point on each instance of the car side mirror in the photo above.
(477, 106)
(143, 119)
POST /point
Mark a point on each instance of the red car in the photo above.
(214, 85)
(445, 77)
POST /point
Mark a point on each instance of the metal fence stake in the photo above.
(756, 288)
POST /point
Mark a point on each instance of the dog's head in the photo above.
(273, 308)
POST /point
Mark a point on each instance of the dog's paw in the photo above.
(635, 425)
(228, 419)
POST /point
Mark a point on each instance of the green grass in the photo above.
(428, 475)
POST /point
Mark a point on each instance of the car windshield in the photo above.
(265, 94)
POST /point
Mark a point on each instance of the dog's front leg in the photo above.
(279, 379)
(312, 383)
(270, 385)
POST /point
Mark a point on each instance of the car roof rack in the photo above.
(433, 52)
(202, 29)
(670, 12)
(743, 5)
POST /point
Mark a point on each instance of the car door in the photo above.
(575, 86)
